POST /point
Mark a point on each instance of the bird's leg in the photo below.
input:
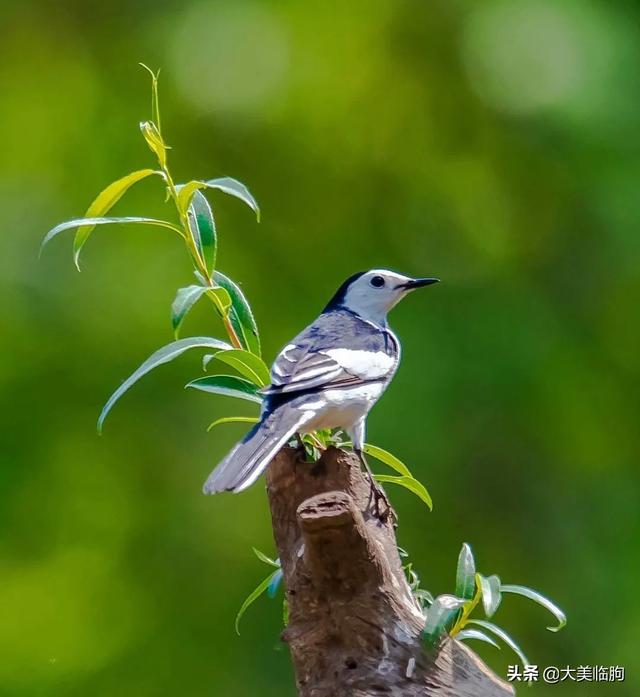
(357, 433)
(376, 491)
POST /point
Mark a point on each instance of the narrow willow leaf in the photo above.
(476, 634)
(79, 222)
(221, 299)
(228, 385)
(233, 420)
(276, 580)
(253, 596)
(466, 573)
(154, 141)
(202, 227)
(440, 615)
(240, 314)
(541, 600)
(103, 203)
(387, 458)
(264, 558)
(164, 355)
(185, 299)
(186, 192)
(491, 596)
(501, 634)
(409, 483)
(384, 456)
(247, 364)
(234, 188)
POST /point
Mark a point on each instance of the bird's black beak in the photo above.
(418, 283)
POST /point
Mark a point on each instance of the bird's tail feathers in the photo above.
(249, 458)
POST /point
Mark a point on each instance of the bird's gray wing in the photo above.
(298, 367)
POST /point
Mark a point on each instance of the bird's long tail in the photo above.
(246, 462)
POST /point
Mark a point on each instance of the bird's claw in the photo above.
(388, 513)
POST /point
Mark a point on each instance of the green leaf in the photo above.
(234, 188)
(267, 560)
(202, 227)
(226, 184)
(79, 222)
(384, 456)
(409, 483)
(185, 299)
(232, 420)
(155, 142)
(246, 363)
(221, 300)
(228, 385)
(491, 596)
(253, 596)
(186, 192)
(476, 634)
(103, 203)
(442, 611)
(388, 459)
(240, 314)
(466, 573)
(502, 635)
(163, 355)
(275, 583)
(541, 600)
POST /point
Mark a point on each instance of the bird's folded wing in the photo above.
(297, 368)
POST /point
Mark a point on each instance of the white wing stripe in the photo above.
(367, 365)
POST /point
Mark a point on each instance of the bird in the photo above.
(329, 376)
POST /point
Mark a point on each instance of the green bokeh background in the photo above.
(494, 144)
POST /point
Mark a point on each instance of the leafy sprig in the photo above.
(452, 614)
(268, 585)
(195, 224)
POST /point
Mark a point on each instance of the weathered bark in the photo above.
(354, 626)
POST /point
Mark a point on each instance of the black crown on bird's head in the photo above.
(337, 301)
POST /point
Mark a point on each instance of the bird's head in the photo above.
(371, 294)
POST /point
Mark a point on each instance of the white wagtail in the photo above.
(329, 376)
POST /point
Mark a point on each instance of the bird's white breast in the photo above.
(342, 407)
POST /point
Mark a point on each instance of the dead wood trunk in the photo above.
(354, 626)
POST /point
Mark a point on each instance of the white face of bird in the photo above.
(372, 294)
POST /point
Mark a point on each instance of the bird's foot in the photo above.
(385, 512)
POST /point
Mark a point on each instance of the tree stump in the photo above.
(354, 625)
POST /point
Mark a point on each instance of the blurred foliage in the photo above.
(491, 143)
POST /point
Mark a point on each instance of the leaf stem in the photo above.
(467, 609)
(233, 337)
(183, 216)
(316, 441)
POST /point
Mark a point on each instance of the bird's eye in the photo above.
(377, 282)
